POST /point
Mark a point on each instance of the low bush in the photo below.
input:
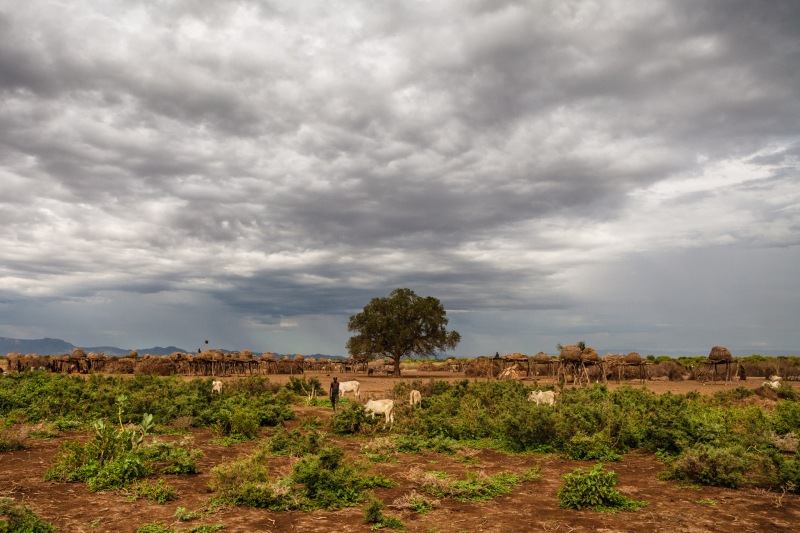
(158, 491)
(594, 489)
(373, 514)
(319, 481)
(17, 518)
(295, 442)
(13, 439)
(349, 420)
(177, 457)
(724, 466)
(595, 448)
(786, 417)
(246, 481)
(112, 460)
(476, 487)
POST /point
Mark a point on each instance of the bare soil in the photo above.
(532, 506)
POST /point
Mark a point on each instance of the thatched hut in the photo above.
(633, 358)
(482, 367)
(589, 354)
(541, 357)
(571, 353)
(720, 354)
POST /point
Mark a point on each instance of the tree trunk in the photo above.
(396, 359)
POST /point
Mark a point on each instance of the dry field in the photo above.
(532, 506)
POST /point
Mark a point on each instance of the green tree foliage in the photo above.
(401, 325)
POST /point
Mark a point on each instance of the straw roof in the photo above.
(720, 353)
(633, 358)
(589, 354)
(571, 353)
(516, 356)
(541, 357)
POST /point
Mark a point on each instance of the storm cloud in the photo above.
(255, 172)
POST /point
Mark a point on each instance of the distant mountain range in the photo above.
(60, 347)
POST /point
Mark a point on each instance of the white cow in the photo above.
(542, 397)
(350, 386)
(381, 407)
(774, 382)
(216, 387)
(415, 398)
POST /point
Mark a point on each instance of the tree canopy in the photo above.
(401, 325)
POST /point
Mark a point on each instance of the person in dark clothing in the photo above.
(334, 392)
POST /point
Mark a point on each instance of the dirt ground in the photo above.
(532, 506)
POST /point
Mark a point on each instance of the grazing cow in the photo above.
(415, 398)
(381, 407)
(542, 397)
(216, 387)
(350, 386)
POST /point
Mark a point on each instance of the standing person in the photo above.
(334, 392)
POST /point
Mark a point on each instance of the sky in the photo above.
(253, 173)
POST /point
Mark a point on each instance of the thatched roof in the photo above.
(720, 353)
(268, 356)
(571, 353)
(541, 357)
(633, 358)
(589, 354)
(78, 353)
(516, 356)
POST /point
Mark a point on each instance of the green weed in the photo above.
(159, 491)
(594, 489)
(17, 518)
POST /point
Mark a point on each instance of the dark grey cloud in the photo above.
(290, 161)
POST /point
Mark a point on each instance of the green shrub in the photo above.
(328, 481)
(724, 466)
(182, 514)
(175, 457)
(17, 518)
(597, 448)
(787, 392)
(786, 417)
(304, 388)
(594, 489)
(112, 460)
(349, 420)
(373, 515)
(159, 491)
(246, 482)
(294, 442)
(530, 427)
(475, 487)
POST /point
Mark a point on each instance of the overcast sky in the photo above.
(253, 173)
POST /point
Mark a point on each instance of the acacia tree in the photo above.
(401, 325)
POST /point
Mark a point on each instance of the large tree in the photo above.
(401, 325)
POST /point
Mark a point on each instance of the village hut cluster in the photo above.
(576, 364)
